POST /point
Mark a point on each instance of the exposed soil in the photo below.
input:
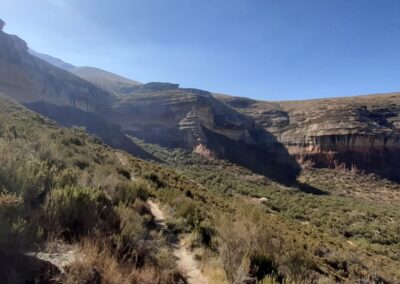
(186, 262)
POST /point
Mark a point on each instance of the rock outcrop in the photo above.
(159, 113)
(358, 133)
(271, 138)
(194, 120)
(30, 79)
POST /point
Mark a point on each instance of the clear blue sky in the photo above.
(265, 49)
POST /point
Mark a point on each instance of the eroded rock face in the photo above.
(30, 79)
(195, 120)
(360, 133)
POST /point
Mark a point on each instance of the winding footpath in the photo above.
(186, 262)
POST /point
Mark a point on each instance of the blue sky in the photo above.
(264, 49)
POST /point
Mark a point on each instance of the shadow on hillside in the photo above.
(306, 188)
(110, 134)
(20, 268)
(267, 156)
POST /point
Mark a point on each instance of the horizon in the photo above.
(323, 49)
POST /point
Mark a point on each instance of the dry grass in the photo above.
(100, 265)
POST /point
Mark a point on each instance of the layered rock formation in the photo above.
(159, 113)
(30, 79)
(57, 93)
(272, 138)
(193, 119)
(358, 133)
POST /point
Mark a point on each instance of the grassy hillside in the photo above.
(357, 212)
(62, 186)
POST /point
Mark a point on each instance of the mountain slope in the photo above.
(58, 93)
(30, 79)
(52, 60)
(108, 81)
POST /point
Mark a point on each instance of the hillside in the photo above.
(51, 194)
(108, 81)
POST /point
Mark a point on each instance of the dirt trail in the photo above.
(186, 263)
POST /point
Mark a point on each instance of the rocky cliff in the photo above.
(30, 79)
(159, 113)
(358, 133)
(57, 93)
(272, 138)
(195, 120)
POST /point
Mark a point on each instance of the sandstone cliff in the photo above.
(159, 113)
(193, 119)
(358, 133)
(30, 79)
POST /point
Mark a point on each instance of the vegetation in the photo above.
(343, 212)
(64, 186)
(61, 185)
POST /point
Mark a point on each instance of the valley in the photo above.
(154, 183)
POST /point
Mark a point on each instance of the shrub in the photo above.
(129, 240)
(100, 265)
(156, 179)
(26, 176)
(14, 228)
(189, 211)
(68, 177)
(127, 192)
(74, 211)
(81, 163)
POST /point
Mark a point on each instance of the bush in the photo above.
(74, 211)
(127, 192)
(189, 211)
(131, 231)
(68, 177)
(26, 176)
(16, 231)
(81, 163)
(156, 179)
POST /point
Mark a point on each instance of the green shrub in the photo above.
(81, 163)
(127, 192)
(128, 240)
(14, 228)
(74, 211)
(189, 211)
(68, 177)
(27, 176)
(156, 179)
